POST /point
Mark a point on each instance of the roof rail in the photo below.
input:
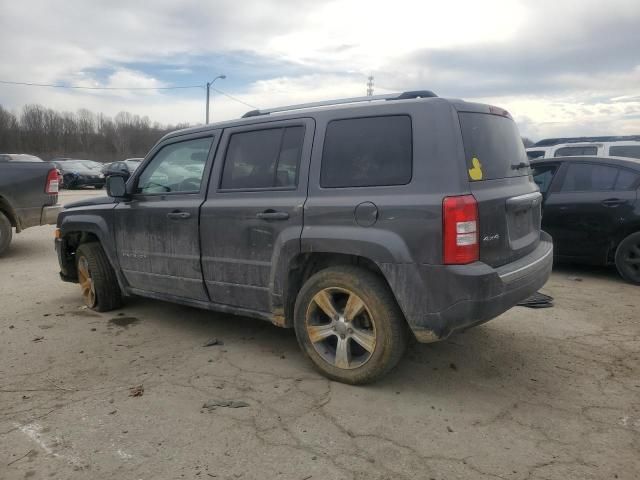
(341, 101)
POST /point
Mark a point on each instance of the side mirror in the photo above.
(116, 186)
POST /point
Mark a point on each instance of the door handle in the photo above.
(612, 202)
(272, 215)
(178, 215)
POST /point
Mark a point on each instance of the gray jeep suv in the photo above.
(358, 222)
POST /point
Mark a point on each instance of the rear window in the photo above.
(493, 147)
(367, 152)
(632, 151)
(575, 151)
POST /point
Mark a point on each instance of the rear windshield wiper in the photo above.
(519, 166)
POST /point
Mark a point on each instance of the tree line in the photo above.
(47, 133)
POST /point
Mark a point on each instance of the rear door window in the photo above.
(493, 147)
(575, 151)
(589, 177)
(631, 151)
(267, 158)
(367, 152)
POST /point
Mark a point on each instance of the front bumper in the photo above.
(462, 296)
(49, 215)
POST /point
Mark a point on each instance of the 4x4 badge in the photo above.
(491, 238)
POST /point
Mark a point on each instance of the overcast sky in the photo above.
(562, 67)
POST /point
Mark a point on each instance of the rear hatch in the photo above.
(509, 204)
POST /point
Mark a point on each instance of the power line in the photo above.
(234, 98)
(80, 87)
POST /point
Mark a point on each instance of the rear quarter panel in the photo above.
(408, 230)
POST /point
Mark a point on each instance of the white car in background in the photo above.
(626, 148)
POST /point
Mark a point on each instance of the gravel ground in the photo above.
(544, 394)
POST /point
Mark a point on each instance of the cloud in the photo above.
(561, 67)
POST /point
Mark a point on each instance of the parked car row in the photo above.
(344, 224)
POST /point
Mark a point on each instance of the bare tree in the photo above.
(84, 134)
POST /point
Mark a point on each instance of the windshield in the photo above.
(493, 147)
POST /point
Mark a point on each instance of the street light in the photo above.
(208, 87)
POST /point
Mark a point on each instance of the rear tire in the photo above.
(349, 324)
(628, 258)
(6, 233)
(100, 289)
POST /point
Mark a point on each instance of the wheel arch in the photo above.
(304, 265)
(618, 236)
(9, 212)
(74, 231)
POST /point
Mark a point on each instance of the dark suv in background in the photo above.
(592, 210)
(357, 222)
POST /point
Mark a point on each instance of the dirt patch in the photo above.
(124, 321)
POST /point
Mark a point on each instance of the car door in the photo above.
(252, 218)
(156, 231)
(584, 208)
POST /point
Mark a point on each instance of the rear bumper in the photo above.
(49, 214)
(462, 296)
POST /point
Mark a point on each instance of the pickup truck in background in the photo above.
(28, 196)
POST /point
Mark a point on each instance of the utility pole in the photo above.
(370, 86)
(222, 77)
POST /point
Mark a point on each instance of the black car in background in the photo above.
(122, 168)
(80, 173)
(591, 208)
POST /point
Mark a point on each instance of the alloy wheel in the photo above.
(341, 328)
(86, 282)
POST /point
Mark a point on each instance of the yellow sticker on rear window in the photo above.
(475, 172)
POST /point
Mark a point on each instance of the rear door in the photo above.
(509, 202)
(586, 206)
(254, 210)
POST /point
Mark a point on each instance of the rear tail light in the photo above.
(460, 230)
(51, 187)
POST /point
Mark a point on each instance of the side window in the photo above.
(176, 168)
(627, 180)
(585, 177)
(531, 154)
(366, 152)
(573, 151)
(632, 151)
(263, 159)
(543, 175)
